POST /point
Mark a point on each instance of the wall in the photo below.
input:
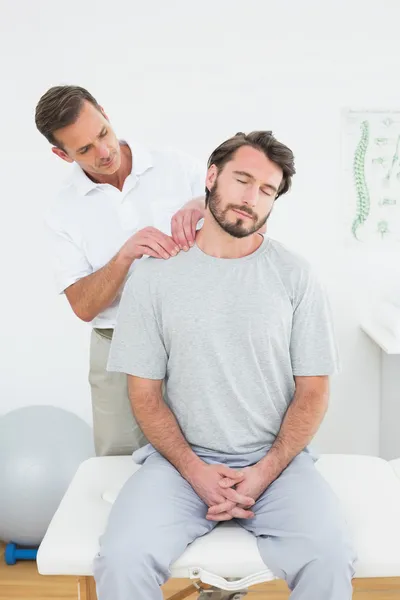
(191, 74)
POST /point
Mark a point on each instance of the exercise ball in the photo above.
(41, 448)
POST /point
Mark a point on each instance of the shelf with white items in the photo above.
(383, 338)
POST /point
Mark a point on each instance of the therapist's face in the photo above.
(91, 142)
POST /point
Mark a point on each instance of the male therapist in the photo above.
(122, 203)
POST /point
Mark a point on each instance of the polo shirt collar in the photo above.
(81, 181)
(141, 158)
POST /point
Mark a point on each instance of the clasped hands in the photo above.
(228, 493)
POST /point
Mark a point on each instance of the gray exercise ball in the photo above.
(41, 448)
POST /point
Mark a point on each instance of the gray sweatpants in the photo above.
(301, 533)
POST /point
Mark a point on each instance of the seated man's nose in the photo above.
(251, 198)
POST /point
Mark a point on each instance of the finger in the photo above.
(167, 243)
(162, 243)
(181, 233)
(176, 231)
(194, 220)
(238, 498)
(220, 517)
(187, 229)
(240, 513)
(226, 482)
(228, 472)
(219, 508)
(216, 499)
(148, 251)
(156, 247)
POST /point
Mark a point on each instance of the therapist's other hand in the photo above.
(183, 226)
(149, 242)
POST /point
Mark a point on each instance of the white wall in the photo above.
(191, 74)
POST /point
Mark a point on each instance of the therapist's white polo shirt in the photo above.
(89, 222)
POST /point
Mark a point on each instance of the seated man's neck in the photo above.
(117, 179)
(214, 241)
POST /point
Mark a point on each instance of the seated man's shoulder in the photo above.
(296, 273)
(288, 259)
(148, 266)
(153, 271)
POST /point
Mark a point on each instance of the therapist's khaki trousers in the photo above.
(115, 429)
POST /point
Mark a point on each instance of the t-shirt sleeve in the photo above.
(313, 349)
(69, 262)
(137, 347)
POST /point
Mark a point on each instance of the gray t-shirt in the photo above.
(228, 336)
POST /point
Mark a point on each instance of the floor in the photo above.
(23, 582)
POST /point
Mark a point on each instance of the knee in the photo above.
(332, 554)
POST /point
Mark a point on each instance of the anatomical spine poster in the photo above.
(371, 163)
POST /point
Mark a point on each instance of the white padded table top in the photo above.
(368, 488)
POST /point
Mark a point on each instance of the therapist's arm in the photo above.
(159, 424)
(92, 294)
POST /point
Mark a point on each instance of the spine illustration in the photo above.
(363, 199)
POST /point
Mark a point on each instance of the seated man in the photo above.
(240, 329)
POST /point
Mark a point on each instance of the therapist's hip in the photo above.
(115, 429)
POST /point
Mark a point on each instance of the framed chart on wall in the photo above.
(371, 169)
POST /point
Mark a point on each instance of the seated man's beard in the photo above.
(240, 228)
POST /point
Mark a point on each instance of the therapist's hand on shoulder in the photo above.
(183, 225)
(148, 242)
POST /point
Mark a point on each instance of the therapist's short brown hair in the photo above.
(266, 143)
(59, 107)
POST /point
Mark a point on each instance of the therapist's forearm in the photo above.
(160, 427)
(300, 424)
(94, 293)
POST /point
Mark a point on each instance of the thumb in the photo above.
(195, 219)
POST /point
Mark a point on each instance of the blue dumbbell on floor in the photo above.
(13, 554)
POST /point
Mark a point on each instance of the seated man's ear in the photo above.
(211, 177)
